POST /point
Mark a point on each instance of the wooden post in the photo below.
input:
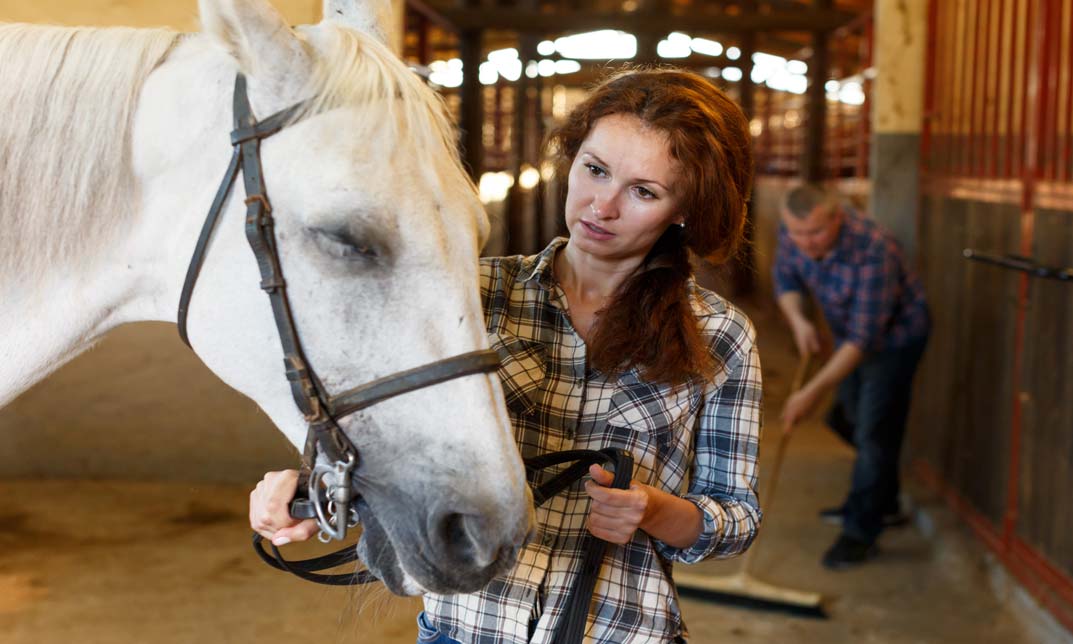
(812, 159)
(472, 117)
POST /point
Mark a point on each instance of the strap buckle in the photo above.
(333, 505)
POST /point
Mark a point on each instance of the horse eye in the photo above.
(341, 244)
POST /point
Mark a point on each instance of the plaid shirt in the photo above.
(703, 435)
(867, 291)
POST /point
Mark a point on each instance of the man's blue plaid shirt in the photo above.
(869, 294)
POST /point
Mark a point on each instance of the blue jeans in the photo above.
(429, 634)
(870, 413)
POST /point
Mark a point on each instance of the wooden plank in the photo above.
(578, 20)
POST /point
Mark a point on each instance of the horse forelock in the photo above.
(356, 69)
(68, 96)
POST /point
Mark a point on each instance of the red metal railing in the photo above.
(998, 127)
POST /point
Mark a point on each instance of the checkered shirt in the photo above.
(866, 289)
(698, 439)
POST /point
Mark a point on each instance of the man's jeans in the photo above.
(870, 413)
(429, 634)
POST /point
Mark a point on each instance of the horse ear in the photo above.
(374, 17)
(264, 45)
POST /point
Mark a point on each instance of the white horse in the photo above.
(112, 143)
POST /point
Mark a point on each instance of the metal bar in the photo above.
(961, 117)
(1019, 263)
(983, 70)
(946, 41)
(970, 153)
(1026, 71)
(1042, 30)
(1049, 80)
(1062, 138)
(927, 166)
(1010, 94)
(994, 60)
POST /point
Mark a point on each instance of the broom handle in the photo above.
(780, 452)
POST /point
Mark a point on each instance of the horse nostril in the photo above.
(453, 531)
(470, 540)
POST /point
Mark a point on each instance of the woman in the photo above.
(606, 341)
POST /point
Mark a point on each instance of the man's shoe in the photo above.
(847, 552)
(835, 516)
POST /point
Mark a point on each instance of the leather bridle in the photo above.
(330, 484)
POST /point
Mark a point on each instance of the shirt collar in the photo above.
(541, 268)
(843, 245)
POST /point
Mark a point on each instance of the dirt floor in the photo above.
(113, 562)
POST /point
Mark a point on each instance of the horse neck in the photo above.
(51, 320)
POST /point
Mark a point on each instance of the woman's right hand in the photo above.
(270, 514)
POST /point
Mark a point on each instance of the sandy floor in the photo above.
(114, 562)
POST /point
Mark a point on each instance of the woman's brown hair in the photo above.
(650, 322)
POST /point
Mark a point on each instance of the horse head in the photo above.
(378, 231)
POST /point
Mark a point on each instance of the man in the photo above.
(874, 305)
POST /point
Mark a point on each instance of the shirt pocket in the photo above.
(653, 414)
(841, 281)
(521, 370)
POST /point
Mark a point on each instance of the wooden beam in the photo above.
(812, 161)
(472, 112)
(521, 20)
(434, 16)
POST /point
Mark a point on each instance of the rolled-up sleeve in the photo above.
(727, 442)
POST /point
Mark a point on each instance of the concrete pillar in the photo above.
(897, 115)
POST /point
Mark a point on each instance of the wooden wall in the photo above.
(992, 427)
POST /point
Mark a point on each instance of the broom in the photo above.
(741, 589)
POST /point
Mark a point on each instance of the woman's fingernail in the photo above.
(281, 541)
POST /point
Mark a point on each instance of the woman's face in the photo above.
(621, 189)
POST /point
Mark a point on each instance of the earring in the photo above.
(681, 224)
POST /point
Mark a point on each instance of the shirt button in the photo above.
(549, 539)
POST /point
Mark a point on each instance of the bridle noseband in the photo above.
(330, 484)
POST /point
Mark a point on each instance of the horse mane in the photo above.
(67, 97)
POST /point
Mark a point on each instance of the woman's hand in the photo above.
(270, 514)
(615, 514)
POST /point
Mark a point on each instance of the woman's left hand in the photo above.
(615, 514)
